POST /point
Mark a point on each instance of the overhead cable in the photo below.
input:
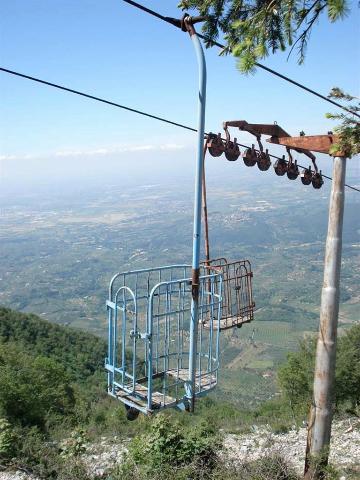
(175, 23)
(92, 97)
(124, 107)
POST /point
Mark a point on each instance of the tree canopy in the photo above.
(254, 29)
(82, 353)
(296, 375)
(31, 387)
(349, 128)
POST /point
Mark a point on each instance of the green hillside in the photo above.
(53, 402)
(79, 352)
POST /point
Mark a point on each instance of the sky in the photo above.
(109, 49)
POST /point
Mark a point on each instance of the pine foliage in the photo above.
(253, 29)
(349, 128)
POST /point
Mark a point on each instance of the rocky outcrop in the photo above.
(344, 451)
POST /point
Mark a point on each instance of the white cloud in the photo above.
(101, 151)
(172, 146)
(119, 150)
(26, 156)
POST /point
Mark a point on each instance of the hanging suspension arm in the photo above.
(188, 24)
(272, 129)
(205, 213)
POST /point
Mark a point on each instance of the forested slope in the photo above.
(53, 403)
(80, 353)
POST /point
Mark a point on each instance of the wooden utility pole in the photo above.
(320, 419)
(319, 429)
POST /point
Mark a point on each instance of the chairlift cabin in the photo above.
(149, 312)
(148, 336)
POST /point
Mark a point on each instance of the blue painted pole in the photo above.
(197, 214)
(110, 359)
(149, 342)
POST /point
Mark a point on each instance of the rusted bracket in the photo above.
(316, 143)
(195, 283)
(272, 129)
(257, 128)
(186, 22)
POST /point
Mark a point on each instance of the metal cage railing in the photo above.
(148, 336)
(238, 304)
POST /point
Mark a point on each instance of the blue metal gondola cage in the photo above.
(148, 337)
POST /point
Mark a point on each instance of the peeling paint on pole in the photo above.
(319, 432)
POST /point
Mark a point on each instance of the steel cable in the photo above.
(175, 23)
(130, 109)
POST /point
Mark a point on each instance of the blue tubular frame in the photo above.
(150, 349)
(123, 289)
(197, 214)
(153, 317)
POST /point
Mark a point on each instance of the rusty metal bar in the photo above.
(205, 213)
(315, 143)
(319, 430)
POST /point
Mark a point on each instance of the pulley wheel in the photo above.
(317, 181)
(306, 177)
(293, 172)
(131, 413)
(216, 147)
(280, 167)
(264, 166)
(250, 158)
(263, 162)
(232, 152)
(215, 151)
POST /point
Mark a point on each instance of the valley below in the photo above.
(60, 249)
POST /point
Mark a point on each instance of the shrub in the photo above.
(36, 454)
(167, 445)
(348, 368)
(320, 469)
(297, 374)
(280, 428)
(75, 445)
(7, 439)
(270, 467)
